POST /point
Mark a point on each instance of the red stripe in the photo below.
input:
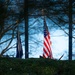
(44, 56)
(46, 46)
(47, 40)
(45, 52)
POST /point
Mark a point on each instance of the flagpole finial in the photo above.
(43, 13)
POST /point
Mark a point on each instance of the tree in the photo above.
(55, 10)
(8, 24)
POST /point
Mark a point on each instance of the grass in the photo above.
(38, 66)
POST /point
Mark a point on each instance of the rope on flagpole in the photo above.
(61, 57)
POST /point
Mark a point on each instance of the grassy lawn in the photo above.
(36, 66)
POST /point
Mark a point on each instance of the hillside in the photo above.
(38, 66)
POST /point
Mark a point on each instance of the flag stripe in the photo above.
(46, 49)
(46, 46)
(47, 43)
(46, 52)
(47, 40)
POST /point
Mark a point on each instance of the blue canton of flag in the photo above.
(45, 29)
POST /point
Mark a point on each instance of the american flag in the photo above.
(47, 52)
(19, 51)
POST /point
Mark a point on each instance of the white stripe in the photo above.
(46, 50)
(45, 55)
(47, 44)
(48, 40)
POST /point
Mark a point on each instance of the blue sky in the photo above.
(59, 45)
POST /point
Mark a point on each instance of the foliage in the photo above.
(36, 66)
(12, 11)
(8, 24)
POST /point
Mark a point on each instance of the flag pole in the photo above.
(43, 14)
(61, 57)
(47, 53)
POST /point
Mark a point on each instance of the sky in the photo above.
(59, 45)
